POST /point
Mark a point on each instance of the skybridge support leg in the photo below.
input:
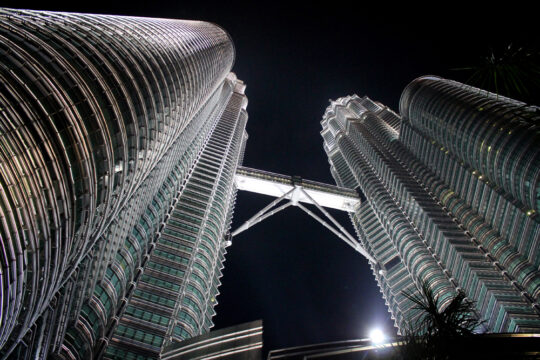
(337, 229)
(352, 241)
(261, 215)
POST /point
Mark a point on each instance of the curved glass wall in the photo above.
(498, 137)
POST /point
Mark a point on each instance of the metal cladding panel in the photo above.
(239, 342)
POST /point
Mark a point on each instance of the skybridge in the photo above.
(295, 191)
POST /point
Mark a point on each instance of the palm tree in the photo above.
(513, 71)
(438, 332)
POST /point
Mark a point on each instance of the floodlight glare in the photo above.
(376, 336)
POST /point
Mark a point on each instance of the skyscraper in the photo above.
(452, 191)
(120, 137)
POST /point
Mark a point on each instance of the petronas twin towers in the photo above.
(119, 143)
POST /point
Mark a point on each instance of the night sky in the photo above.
(302, 281)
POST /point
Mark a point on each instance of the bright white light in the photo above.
(377, 336)
(276, 189)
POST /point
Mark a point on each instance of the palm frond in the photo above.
(512, 71)
(428, 337)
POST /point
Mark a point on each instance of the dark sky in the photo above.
(289, 271)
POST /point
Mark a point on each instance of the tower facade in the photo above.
(119, 140)
(451, 194)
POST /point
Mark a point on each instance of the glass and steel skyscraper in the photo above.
(119, 140)
(451, 196)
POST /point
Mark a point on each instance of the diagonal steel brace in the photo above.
(338, 230)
